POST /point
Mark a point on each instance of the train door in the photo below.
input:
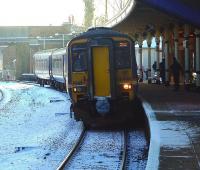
(101, 71)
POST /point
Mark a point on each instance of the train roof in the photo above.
(48, 52)
(59, 51)
(100, 32)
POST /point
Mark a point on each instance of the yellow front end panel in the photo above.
(101, 71)
(124, 75)
(78, 78)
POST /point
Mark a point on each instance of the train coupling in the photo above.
(102, 105)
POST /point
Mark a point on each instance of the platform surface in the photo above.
(174, 119)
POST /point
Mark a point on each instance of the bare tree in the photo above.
(89, 12)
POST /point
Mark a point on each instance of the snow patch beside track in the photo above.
(5, 96)
(33, 136)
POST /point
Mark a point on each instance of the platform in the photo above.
(174, 119)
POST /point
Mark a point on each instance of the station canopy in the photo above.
(149, 14)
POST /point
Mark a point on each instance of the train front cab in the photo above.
(102, 80)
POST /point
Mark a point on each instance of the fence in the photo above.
(7, 75)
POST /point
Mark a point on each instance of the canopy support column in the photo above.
(176, 43)
(149, 39)
(140, 41)
(197, 32)
(166, 54)
(187, 57)
(158, 57)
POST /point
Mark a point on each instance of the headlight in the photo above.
(127, 86)
(79, 89)
(74, 89)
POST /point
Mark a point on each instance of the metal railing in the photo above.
(122, 14)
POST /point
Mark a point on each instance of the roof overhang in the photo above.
(147, 15)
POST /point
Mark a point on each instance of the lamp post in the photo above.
(63, 38)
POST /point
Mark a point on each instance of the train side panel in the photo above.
(42, 66)
(59, 68)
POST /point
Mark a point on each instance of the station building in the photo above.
(19, 43)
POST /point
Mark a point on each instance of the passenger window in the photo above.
(79, 58)
(122, 55)
(79, 61)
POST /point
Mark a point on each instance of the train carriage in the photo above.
(42, 66)
(102, 76)
(59, 68)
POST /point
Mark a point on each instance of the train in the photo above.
(102, 76)
(98, 69)
(51, 68)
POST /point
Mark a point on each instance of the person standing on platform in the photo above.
(162, 70)
(176, 69)
(154, 66)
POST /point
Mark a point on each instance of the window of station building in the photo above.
(79, 58)
(122, 55)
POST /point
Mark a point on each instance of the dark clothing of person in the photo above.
(146, 74)
(154, 66)
(176, 68)
(162, 70)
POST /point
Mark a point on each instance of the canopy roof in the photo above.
(148, 15)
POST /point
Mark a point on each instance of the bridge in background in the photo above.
(19, 43)
(43, 37)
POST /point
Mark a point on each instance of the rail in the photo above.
(123, 162)
(122, 14)
(1, 95)
(73, 150)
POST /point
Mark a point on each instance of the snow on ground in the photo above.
(173, 135)
(35, 127)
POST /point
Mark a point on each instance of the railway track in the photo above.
(67, 158)
(36, 84)
(1, 95)
(124, 156)
(135, 151)
(127, 157)
(100, 150)
(28, 82)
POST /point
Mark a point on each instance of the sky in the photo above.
(40, 12)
